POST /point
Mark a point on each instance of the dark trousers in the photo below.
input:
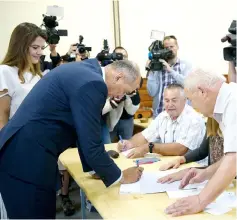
(26, 201)
(124, 128)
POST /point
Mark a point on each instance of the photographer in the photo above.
(174, 71)
(82, 56)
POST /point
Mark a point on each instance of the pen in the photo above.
(149, 162)
(121, 140)
(137, 162)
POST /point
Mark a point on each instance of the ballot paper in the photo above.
(126, 153)
(217, 210)
(133, 188)
(223, 204)
(148, 184)
(183, 193)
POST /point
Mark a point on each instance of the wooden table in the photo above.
(138, 123)
(111, 205)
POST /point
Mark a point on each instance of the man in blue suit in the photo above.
(62, 109)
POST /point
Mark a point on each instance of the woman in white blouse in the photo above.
(20, 69)
(19, 72)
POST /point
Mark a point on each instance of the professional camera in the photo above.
(81, 47)
(156, 52)
(50, 23)
(105, 57)
(229, 53)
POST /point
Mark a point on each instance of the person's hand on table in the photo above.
(185, 206)
(174, 176)
(124, 145)
(191, 204)
(131, 175)
(137, 152)
(173, 164)
(194, 175)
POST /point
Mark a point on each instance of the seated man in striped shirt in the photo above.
(174, 131)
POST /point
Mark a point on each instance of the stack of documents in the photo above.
(148, 184)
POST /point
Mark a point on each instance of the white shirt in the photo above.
(9, 80)
(189, 129)
(225, 113)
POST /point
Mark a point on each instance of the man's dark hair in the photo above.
(119, 48)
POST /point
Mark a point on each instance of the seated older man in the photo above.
(174, 131)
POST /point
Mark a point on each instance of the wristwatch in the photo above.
(151, 146)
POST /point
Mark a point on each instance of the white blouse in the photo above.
(9, 80)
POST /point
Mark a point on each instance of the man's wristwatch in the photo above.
(151, 146)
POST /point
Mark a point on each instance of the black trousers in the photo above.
(26, 201)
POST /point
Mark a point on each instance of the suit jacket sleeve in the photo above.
(86, 105)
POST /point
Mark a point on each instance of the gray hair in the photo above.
(199, 77)
(176, 86)
(129, 68)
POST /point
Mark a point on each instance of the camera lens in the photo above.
(82, 50)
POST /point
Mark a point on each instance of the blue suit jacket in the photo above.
(63, 108)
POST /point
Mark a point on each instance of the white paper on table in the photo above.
(125, 153)
(223, 204)
(132, 188)
(227, 199)
(196, 185)
(148, 184)
(183, 193)
(216, 209)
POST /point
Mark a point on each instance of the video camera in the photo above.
(50, 23)
(105, 57)
(229, 52)
(157, 52)
(81, 47)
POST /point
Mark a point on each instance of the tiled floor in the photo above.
(75, 197)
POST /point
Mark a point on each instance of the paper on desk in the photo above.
(217, 210)
(148, 184)
(183, 193)
(227, 199)
(125, 153)
(223, 204)
(130, 188)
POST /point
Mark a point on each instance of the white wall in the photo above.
(198, 24)
(91, 18)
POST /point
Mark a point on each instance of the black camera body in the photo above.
(229, 53)
(157, 52)
(53, 35)
(105, 58)
(81, 47)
